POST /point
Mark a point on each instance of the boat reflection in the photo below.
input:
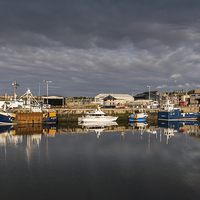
(15, 134)
(6, 136)
(187, 127)
(177, 125)
(139, 125)
(50, 130)
(5, 128)
(97, 127)
(164, 129)
(169, 133)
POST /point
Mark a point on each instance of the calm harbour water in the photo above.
(129, 164)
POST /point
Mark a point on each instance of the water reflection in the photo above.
(139, 125)
(191, 128)
(98, 127)
(6, 136)
(33, 133)
(179, 125)
(123, 163)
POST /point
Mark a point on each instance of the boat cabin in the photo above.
(168, 106)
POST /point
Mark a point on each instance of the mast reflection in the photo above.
(191, 128)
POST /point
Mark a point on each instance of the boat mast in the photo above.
(29, 97)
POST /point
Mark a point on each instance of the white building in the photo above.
(119, 98)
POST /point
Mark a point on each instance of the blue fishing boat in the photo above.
(138, 117)
(174, 114)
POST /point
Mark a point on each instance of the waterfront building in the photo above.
(77, 101)
(54, 100)
(110, 102)
(147, 96)
(113, 99)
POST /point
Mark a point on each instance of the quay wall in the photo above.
(67, 115)
(72, 114)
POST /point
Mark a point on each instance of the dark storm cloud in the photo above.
(88, 47)
(104, 23)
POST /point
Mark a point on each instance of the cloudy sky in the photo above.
(87, 47)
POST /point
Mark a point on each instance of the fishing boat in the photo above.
(49, 116)
(96, 116)
(31, 113)
(46, 116)
(170, 113)
(138, 117)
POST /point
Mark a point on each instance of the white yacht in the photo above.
(96, 116)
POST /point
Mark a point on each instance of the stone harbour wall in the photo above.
(73, 114)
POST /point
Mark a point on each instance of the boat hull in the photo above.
(50, 120)
(139, 117)
(28, 118)
(6, 119)
(97, 119)
(176, 115)
(99, 123)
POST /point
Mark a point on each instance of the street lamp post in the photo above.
(149, 90)
(15, 89)
(47, 90)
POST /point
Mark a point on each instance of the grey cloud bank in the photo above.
(90, 47)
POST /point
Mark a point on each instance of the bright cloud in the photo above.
(176, 75)
(162, 86)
